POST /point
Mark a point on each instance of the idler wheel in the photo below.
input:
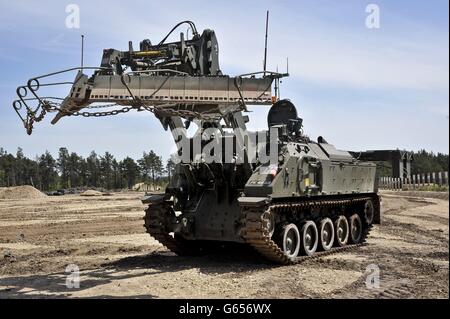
(341, 231)
(326, 231)
(310, 238)
(290, 240)
(270, 222)
(369, 212)
(355, 228)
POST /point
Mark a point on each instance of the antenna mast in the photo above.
(82, 49)
(265, 43)
(277, 84)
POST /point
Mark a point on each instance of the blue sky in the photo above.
(360, 88)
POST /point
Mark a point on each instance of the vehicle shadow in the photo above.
(231, 260)
(53, 285)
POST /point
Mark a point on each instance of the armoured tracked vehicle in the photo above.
(294, 198)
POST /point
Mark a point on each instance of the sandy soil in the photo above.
(104, 237)
(20, 192)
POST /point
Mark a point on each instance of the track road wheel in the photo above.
(310, 238)
(341, 231)
(355, 229)
(369, 212)
(326, 234)
(270, 223)
(290, 240)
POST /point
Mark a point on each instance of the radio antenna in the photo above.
(82, 49)
(265, 42)
(277, 87)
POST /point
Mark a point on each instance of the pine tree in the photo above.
(130, 171)
(92, 170)
(151, 165)
(48, 175)
(107, 170)
(62, 164)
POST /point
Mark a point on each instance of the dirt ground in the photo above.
(104, 237)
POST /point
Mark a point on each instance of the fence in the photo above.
(415, 181)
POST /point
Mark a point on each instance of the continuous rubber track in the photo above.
(256, 233)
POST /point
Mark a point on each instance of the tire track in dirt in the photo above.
(116, 261)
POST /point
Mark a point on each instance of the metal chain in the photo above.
(49, 106)
(101, 114)
(41, 116)
(52, 107)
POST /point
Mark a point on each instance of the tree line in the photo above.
(423, 162)
(70, 170)
(428, 162)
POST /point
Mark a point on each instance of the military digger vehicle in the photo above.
(295, 198)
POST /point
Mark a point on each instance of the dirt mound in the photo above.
(20, 192)
(91, 192)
